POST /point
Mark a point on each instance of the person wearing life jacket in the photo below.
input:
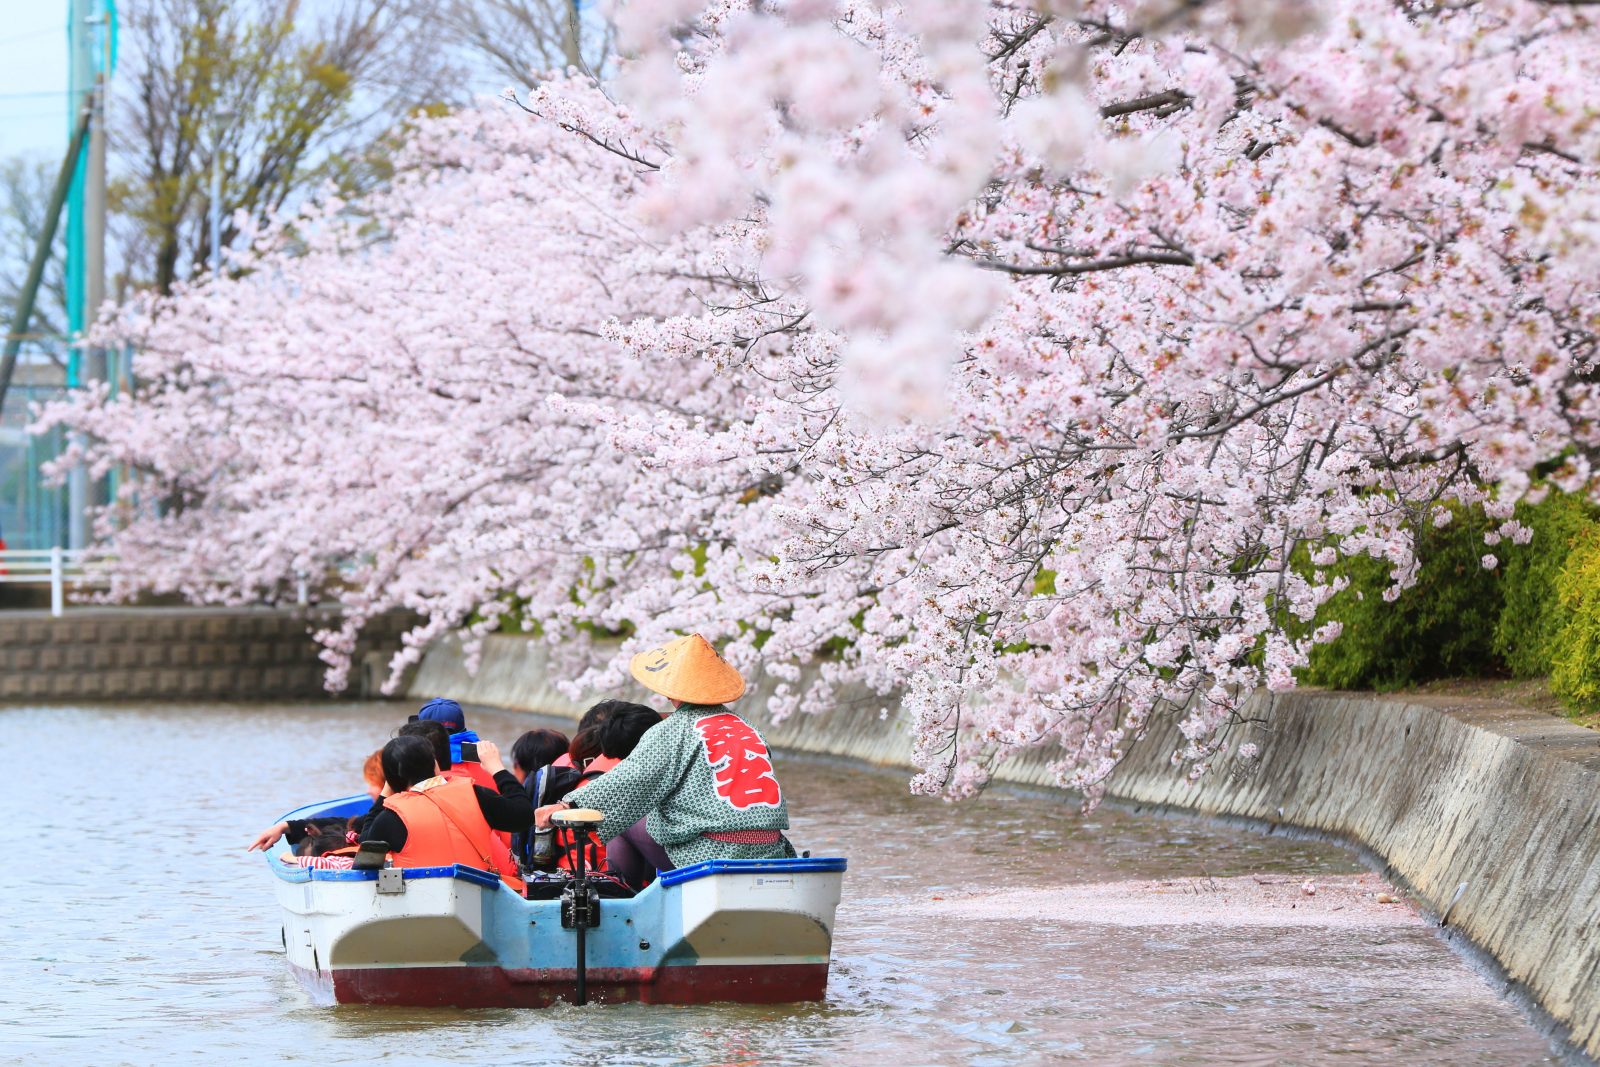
(372, 774)
(427, 820)
(437, 736)
(473, 772)
(589, 730)
(586, 756)
(585, 762)
(702, 779)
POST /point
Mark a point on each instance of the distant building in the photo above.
(32, 514)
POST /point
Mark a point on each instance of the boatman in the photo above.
(702, 780)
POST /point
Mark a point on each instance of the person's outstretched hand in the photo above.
(269, 837)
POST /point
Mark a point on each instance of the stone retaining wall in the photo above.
(1488, 815)
(171, 653)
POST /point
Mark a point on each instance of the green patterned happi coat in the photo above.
(703, 768)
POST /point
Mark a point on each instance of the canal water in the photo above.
(136, 930)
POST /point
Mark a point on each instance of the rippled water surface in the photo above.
(136, 930)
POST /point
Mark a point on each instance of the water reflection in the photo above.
(137, 930)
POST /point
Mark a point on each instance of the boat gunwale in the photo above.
(354, 805)
(489, 880)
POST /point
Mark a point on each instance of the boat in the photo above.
(751, 931)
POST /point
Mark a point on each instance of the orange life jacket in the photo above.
(595, 857)
(444, 825)
(474, 773)
(599, 765)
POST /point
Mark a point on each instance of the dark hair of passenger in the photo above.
(601, 712)
(433, 733)
(406, 761)
(537, 748)
(621, 733)
(320, 844)
(585, 746)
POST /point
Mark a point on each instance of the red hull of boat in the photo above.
(478, 986)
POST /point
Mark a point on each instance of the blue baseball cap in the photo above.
(445, 712)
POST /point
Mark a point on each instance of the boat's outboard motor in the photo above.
(580, 904)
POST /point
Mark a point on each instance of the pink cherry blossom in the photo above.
(1013, 359)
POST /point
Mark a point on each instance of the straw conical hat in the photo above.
(689, 670)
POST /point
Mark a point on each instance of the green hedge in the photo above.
(1537, 613)
(1441, 627)
(1532, 617)
(1574, 649)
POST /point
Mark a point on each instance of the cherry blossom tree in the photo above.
(1037, 361)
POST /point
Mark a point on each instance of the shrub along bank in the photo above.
(1536, 614)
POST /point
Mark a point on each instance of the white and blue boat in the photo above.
(756, 931)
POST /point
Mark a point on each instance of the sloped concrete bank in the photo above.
(1489, 815)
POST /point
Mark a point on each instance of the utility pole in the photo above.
(571, 40)
(94, 221)
(22, 314)
(221, 118)
(80, 67)
(90, 46)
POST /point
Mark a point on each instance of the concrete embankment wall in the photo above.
(172, 653)
(1488, 815)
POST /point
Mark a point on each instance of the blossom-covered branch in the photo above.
(1039, 363)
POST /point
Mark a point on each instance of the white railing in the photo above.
(57, 566)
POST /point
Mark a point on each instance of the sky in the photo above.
(33, 78)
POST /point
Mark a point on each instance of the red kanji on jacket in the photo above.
(739, 757)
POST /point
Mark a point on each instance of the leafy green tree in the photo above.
(25, 185)
(281, 99)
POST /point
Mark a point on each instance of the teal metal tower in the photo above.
(92, 44)
(32, 513)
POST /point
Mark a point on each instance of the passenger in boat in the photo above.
(428, 820)
(586, 760)
(622, 732)
(703, 779)
(439, 738)
(327, 838)
(329, 850)
(588, 731)
(633, 855)
(533, 758)
(372, 773)
(536, 749)
(597, 750)
(448, 713)
(588, 755)
(473, 772)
